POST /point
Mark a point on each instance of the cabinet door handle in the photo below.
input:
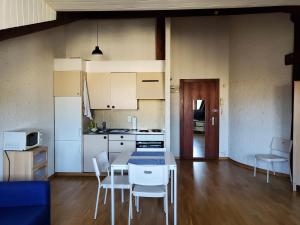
(104, 137)
(150, 80)
(108, 106)
(213, 121)
(122, 136)
(113, 106)
(121, 143)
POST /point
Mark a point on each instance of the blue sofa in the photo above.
(25, 203)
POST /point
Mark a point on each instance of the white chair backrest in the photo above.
(281, 145)
(95, 164)
(103, 162)
(148, 175)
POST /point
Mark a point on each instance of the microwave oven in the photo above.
(21, 140)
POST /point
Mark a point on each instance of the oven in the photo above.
(150, 142)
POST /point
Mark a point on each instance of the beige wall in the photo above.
(150, 115)
(199, 49)
(260, 84)
(126, 39)
(26, 90)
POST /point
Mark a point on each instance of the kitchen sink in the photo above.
(117, 131)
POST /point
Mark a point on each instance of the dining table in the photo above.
(121, 163)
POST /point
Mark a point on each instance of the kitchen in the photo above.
(127, 104)
(197, 47)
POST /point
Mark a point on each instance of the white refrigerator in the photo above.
(68, 134)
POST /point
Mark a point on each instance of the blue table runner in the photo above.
(148, 154)
(147, 161)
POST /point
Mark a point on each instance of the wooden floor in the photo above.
(210, 193)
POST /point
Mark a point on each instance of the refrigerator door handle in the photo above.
(79, 132)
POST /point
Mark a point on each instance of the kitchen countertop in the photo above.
(130, 132)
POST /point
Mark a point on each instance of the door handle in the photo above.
(213, 121)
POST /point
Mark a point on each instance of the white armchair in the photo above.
(280, 152)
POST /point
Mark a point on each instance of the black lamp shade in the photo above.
(97, 51)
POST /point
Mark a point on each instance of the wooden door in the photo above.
(123, 91)
(207, 90)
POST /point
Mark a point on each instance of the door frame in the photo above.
(181, 85)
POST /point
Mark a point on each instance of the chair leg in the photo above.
(172, 184)
(165, 204)
(268, 179)
(97, 202)
(167, 207)
(122, 191)
(130, 206)
(105, 196)
(290, 172)
(138, 204)
(273, 168)
(254, 167)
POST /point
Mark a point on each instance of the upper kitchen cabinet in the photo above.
(68, 77)
(67, 83)
(150, 85)
(112, 90)
(123, 91)
(99, 90)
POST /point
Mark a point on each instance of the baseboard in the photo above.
(259, 170)
(86, 174)
(71, 174)
(223, 158)
(52, 177)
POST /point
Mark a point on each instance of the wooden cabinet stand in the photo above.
(26, 165)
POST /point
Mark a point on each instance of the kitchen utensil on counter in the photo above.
(103, 125)
(134, 122)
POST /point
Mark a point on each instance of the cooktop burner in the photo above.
(144, 131)
(156, 130)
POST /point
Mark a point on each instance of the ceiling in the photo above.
(126, 5)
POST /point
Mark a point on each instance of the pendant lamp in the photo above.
(97, 50)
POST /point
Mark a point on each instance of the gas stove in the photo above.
(150, 131)
(150, 140)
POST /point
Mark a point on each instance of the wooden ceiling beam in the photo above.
(160, 38)
(179, 13)
(68, 17)
(32, 28)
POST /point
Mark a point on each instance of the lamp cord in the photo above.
(8, 179)
(97, 35)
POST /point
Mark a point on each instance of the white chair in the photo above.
(120, 182)
(280, 152)
(150, 181)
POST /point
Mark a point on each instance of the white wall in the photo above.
(26, 87)
(14, 13)
(124, 39)
(199, 49)
(260, 84)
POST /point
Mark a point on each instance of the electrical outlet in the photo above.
(129, 119)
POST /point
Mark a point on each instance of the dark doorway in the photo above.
(199, 119)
